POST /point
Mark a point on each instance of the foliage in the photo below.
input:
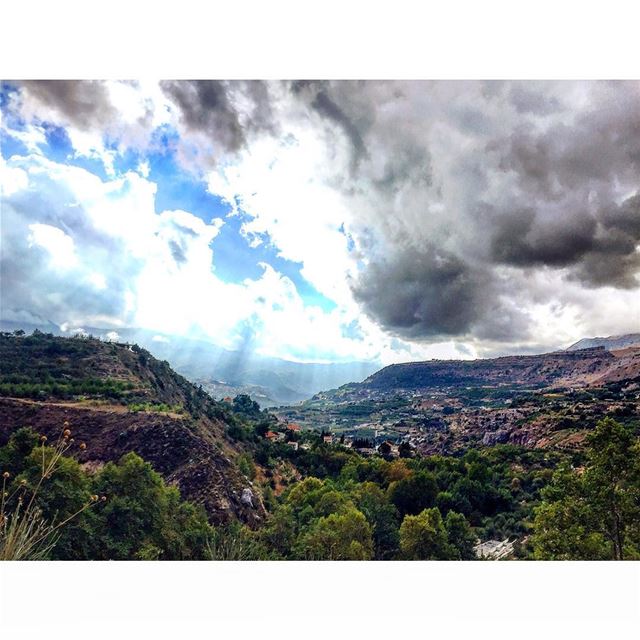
(593, 513)
(339, 536)
(48, 506)
(28, 531)
(413, 494)
(424, 537)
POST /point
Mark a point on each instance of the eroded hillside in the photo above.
(118, 398)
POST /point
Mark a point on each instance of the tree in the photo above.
(593, 513)
(424, 537)
(145, 519)
(460, 535)
(279, 532)
(243, 404)
(339, 536)
(413, 494)
(382, 516)
(405, 450)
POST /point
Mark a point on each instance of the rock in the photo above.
(247, 497)
(496, 437)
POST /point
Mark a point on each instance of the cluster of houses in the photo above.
(281, 436)
(286, 435)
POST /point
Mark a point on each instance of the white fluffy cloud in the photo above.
(107, 257)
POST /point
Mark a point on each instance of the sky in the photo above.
(325, 221)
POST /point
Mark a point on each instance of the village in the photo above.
(446, 419)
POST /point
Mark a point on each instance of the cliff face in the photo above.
(117, 399)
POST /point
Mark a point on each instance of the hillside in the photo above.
(549, 400)
(118, 398)
(221, 372)
(563, 368)
(611, 342)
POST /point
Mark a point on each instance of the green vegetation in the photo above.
(16, 386)
(593, 513)
(323, 501)
(52, 509)
(154, 407)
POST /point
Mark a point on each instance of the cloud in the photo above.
(438, 202)
(84, 104)
(101, 118)
(80, 251)
(476, 216)
(423, 292)
(56, 242)
(216, 117)
(462, 179)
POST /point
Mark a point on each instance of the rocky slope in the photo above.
(564, 368)
(611, 342)
(118, 398)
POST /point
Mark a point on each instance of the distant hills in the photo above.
(549, 400)
(611, 342)
(275, 382)
(583, 367)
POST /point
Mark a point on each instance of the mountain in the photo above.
(548, 400)
(118, 398)
(611, 343)
(561, 368)
(221, 372)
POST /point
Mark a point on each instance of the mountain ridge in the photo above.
(610, 343)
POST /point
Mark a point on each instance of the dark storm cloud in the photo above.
(205, 107)
(423, 292)
(520, 240)
(427, 293)
(318, 94)
(208, 107)
(600, 246)
(84, 104)
(324, 105)
(528, 176)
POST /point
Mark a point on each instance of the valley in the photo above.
(474, 456)
(550, 400)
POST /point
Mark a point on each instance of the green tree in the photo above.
(243, 404)
(338, 536)
(414, 494)
(460, 535)
(594, 513)
(381, 515)
(145, 519)
(424, 537)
